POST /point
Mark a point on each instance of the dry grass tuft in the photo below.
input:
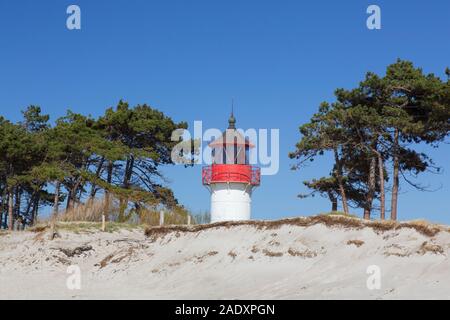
(397, 254)
(124, 256)
(106, 260)
(357, 243)
(39, 228)
(89, 212)
(331, 221)
(422, 227)
(272, 253)
(156, 233)
(303, 254)
(93, 211)
(255, 249)
(79, 227)
(274, 243)
(430, 247)
(232, 254)
(200, 259)
(397, 251)
(76, 251)
(383, 226)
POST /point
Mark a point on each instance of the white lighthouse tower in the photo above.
(230, 179)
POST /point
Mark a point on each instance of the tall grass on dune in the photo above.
(93, 211)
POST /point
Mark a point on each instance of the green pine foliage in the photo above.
(79, 159)
(373, 132)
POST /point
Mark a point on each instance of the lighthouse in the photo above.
(230, 178)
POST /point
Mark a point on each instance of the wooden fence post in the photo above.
(103, 223)
(161, 218)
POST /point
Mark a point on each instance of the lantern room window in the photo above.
(231, 151)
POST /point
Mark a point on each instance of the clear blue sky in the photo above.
(278, 59)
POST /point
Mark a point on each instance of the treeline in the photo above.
(78, 159)
(373, 133)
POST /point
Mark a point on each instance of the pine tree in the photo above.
(375, 123)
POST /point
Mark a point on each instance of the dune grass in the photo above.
(87, 218)
(87, 227)
(330, 220)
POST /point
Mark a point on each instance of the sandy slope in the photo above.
(238, 262)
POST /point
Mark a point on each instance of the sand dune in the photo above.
(321, 259)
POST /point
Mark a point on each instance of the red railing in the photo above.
(217, 173)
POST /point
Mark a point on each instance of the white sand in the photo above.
(240, 262)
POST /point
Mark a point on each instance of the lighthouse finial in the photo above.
(232, 119)
(232, 107)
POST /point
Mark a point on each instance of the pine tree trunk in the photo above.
(31, 209)
(341, 182)
(69, 198)
(36, 207)
(107, 200)
(126, 184)
(11, 210)
(5, 210)
(334, 202)
(2, 207)
(382, 191)
(75, 197)
(29, 206)
(395, 183)
(1, 212)
(94, 186)
(4, 222)
(56, 199)
(18, 201)
(371, 191)
(79, 196)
